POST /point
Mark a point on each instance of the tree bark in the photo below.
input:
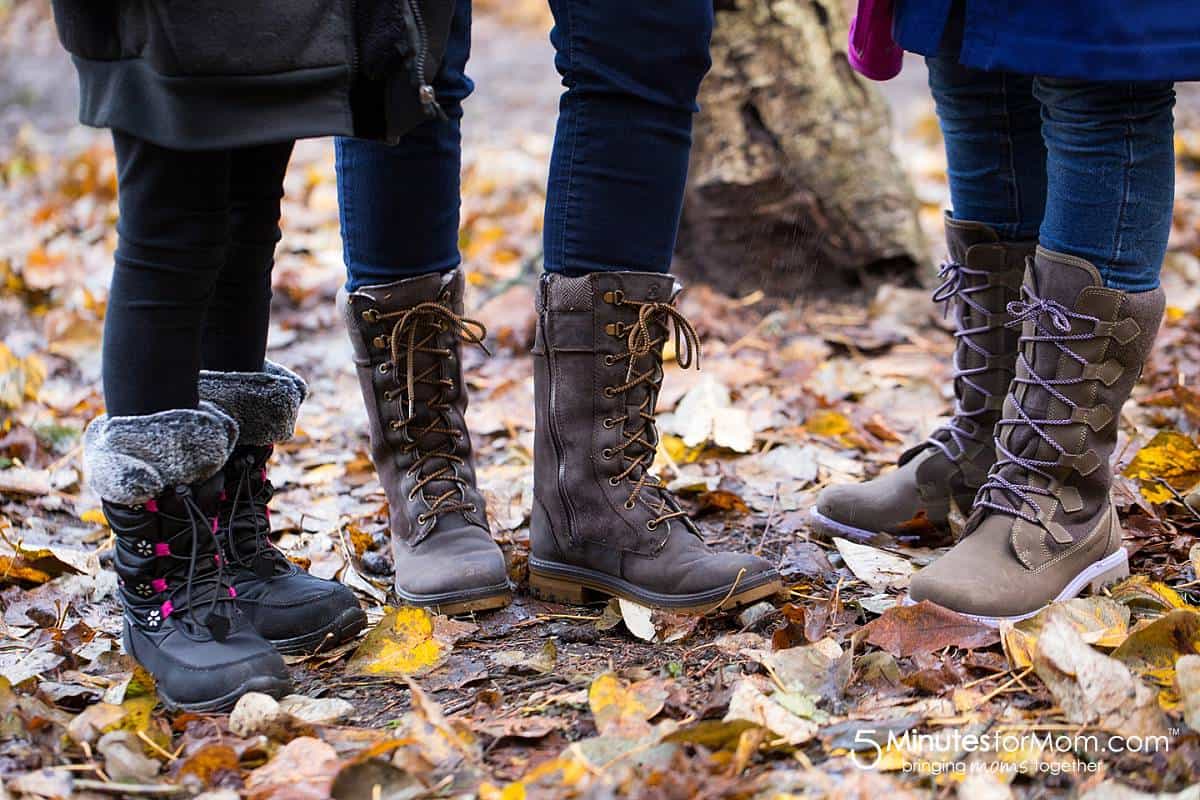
(793, 183)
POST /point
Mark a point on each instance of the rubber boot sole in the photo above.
(562, 583)
(1095, 577)
(266, 684)
(341, 629)
(455, 603)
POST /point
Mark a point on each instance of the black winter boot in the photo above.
(160, 478)
(295, 611)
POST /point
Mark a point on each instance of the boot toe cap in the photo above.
(299, 605)
(450, 567)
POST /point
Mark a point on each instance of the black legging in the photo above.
(192, 283)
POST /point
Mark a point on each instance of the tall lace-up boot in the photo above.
(1044, 527)
(407, 339)
(159, 477)
(603, 524)
(914, 502)
(295, 611)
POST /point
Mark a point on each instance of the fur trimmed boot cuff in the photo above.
(130, 460)
(264, 404)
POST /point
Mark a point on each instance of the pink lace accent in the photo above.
(152, 506)
(167, 608)
(224, 495)
(214, 525)
(159, 584)
(232, 592)
(268, 510)
(263, 474)
(217, 558)
(162, 549)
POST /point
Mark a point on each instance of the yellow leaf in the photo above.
(622, 708)
(1171, 456)
(1153, 650)
(677, 451)
(94, 516)
(1101, 621)
(20, 378)
(407, 641)
(1140, 593)
(828, 423)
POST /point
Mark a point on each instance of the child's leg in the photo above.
(996, 161)
(1111, 167)
(235, 329)
(173, 230)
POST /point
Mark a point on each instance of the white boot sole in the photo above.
(1106, 571)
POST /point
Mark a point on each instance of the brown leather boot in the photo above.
(913, 503)
(1044, 527)
(602, 523)
(407, 348)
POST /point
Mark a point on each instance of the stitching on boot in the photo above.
(130, 460)
(265, 404)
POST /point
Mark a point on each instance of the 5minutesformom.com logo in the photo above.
(946, 751)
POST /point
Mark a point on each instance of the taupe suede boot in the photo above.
(1044, 527)
(913, 502)
(407, 348)
(602, 523)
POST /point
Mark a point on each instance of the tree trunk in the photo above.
(793, 183)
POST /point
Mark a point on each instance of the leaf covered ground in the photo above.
(831, 690)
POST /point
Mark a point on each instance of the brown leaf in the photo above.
(926, 628)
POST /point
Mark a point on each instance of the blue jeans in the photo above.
(1086, 167)
(617, 171)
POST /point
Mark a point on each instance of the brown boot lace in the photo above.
(645, 338)
(414, 333)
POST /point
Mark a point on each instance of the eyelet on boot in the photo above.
(614, 297)
(609, 393)
(609, 422)
(370, 315)
(651, 524)
(606, 454)
(629, 505)
(609, 361)
(380, 342)
(614, 482)
(422, 519)
(395, 425)
(384, 368)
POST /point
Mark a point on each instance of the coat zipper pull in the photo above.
(429, 102)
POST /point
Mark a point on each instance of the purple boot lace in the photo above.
(1052, 324)
(953, 287)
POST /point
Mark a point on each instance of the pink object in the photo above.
(152, 506)
(873, 52)
(214, 525)
(167, 608)
(159, 584)
(162, 549)
(232, 592)
(217, 558)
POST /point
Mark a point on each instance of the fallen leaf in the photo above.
(706, 414)
(1187, 683)
(317, 711)
(303, 769)
(1092, 688)
(878, 569)
(125, 759)
(1141, 593)
(1100, 621)
(926, 628)
(407, 641)
(1170, 456)
(1152, 650)
(751, 704)
(622, 708)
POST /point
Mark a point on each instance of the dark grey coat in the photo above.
(203, 74)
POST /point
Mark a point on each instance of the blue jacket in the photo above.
(1086, 39)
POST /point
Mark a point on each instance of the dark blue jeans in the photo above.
(1088, 168)
(631, 71)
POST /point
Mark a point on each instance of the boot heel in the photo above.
(557, 590)
(1113, 574)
